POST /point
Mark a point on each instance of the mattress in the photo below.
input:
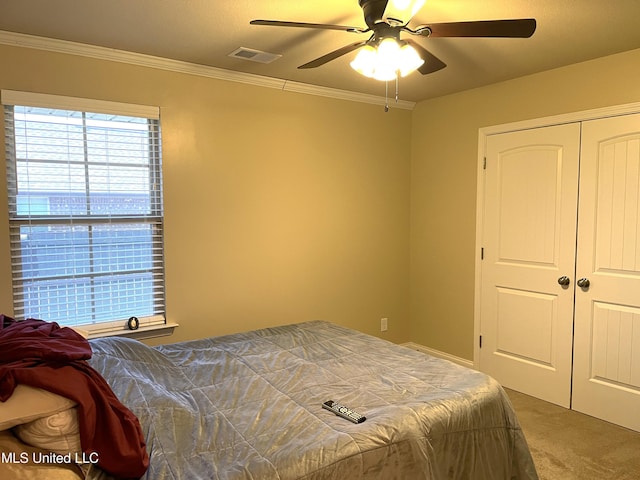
(249, 406)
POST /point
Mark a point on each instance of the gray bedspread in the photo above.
(249, 406)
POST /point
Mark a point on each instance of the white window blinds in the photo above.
(85, 211)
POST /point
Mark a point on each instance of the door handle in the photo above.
(583, 283)
(564, 280)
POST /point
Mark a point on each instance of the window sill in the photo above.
(141, 333)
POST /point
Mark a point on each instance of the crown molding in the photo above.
(12, 97)
(143, 60)
(345, 95)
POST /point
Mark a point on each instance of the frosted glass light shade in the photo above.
(408, 60)
(387, 60)
(365, 61)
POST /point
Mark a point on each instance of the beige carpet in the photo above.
(568, 445)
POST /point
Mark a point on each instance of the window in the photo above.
(85, 211)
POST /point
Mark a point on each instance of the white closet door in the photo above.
(606, 379)
(526, 316)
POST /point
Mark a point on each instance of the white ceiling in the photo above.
(206, 31)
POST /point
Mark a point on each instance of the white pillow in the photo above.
(81, 331)
(29, 403)
(57, 433)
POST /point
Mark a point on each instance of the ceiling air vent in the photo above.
(254, 55)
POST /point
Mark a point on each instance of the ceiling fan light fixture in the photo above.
(387, 60)
(365, 61)
(409, 60)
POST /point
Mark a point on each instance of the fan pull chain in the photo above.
(386, 96)
(396, 87)
(386, 93)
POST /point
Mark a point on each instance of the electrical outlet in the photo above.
(383, 324)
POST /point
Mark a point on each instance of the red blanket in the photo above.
(43, 355)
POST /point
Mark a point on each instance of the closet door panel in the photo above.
(531, 183)
(606, 376)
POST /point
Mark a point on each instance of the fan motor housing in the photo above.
(373, 11)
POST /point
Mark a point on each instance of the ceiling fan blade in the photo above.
(431, 62)
(323, 26)
(517, 28)
(333, 55)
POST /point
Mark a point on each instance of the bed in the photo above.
(249, 406)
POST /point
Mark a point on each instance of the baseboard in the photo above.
(437, 353)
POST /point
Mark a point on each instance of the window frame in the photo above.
(154, 220)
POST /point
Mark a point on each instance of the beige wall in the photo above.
(279, 207)
(443, 181)
(282, 207)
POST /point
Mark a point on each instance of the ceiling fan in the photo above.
(387, 19)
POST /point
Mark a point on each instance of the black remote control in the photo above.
(344, 412)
